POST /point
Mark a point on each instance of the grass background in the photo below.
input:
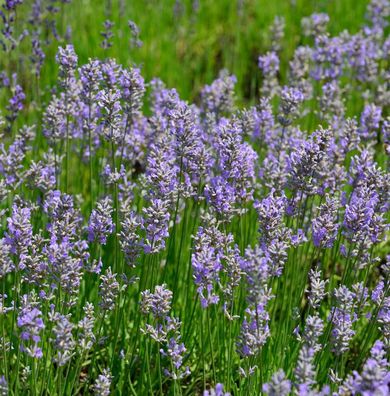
(187, 42)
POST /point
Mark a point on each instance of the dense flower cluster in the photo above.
(149, 245)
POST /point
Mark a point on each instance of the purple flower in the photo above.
(16, 103)
(64, 343)
(3, 386)
(325, 226)
(342, 317)
(157, 303)
(218, 97)
(66, 58)
(290, 99)
(109, 290)
(217, 391)
(19, 232)
(102, 384)
(375, 377)
(6, 264)
(210, 246)
(315, 24)
(31, 324)
(269, 65)
(100, 223)
(107, 34)
(369, 121)
(279, 385)
(156, 225)
(254, 329)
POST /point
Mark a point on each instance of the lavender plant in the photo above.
(150, 245)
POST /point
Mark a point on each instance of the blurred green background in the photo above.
(187, 42)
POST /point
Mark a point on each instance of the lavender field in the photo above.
(226, 235)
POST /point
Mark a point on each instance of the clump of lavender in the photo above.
(375, 376)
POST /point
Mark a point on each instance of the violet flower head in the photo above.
(269, 65)
(100, 223)
(378, 12)
(157, 303)
(64, 343)
(328, 57)
(31, 324)
(290, 99)
(375, 376)
(135, 33)
(218, 97)
(107, 34)
(305, 371)
(19, 232)
(271, 211)
(129, 239)
(217, 391)
(110, 108)
(64, 270)
(175, 351)
(221, 195)
(3, 386)
(317, 292)
(132, 87)
(109, 290)
(6, 263)
(325, 226)
(102, 384)
(315, 24)
(86, 336)
(16, 103)
(342, 317)
(369, 121)
(277, 33)
(210, 246)
(278, 385)
(255, 326)
(156, 225)
(67, 61)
